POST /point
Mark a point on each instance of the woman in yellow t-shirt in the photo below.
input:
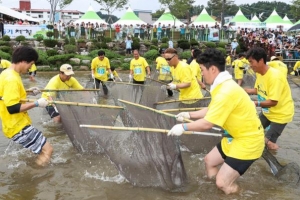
(32, 72)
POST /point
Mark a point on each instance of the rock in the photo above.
(60, 52)
(41, 48)
(86, 62)
(127, 59)
(84, 68)
(89, 44)
(43, 67)
(84, 53)
(179, 50)
(75, 60)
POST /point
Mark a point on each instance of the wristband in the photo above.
(184, 127)
(36, 103)
(258, 103)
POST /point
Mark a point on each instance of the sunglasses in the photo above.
(169, 59)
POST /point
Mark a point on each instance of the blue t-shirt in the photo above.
(128, 44)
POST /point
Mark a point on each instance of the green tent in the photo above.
(129, 18)
(239, 17)
(167, 18)
(203, 19)
(274, 21)
(255, 19)
(90, 16)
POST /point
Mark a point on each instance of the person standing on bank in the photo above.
(100, 66)
(138, 67)
(61, 81)
(232, 109)
(16, 123)
(274, 96)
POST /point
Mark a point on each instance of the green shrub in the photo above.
(49, 26)
(125, 66)
(20, 38)
(39, 38)
(51, 52)
(6, 49)
(151, 55)
(152, 47)
(50, 42)
(81, 41)
(107, 39)
(49, 34)
(69, 48)
(59, 59)
(108, 53)
(222, 50)
(163, 46)
(194, 42)
(72, 41)
(185, 55)
(5, 55)
(38, 35)
(42, 58)
(154, 41)
(4, 43)
(6, 38)
(210, 44)
(164, 40)
(82, 57)
(184, 45)
(147, 44)
(238, 49)
(66, 40)
(136, 43)
(222, 44)
(103, 45)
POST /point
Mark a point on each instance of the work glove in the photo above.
(130, 77)
(171, 86)
(176, 130)
(183, 115)
(111, 76)
(93, 76)
(41, 102)
(34, 91)
(163, 87)
(120, 79)
(157, 71)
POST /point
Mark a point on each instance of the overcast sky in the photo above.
(82, 5)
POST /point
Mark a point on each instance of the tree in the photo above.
(218, 8)
(158, 13)
(53, 7)
(295, 9)
(110, 6)
(178, 8)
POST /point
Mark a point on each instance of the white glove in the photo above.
(93, 76)
(176, 130)
(157, 71)
(120, 79)
(34, 91)
(183, 115)
(163, 87)
(111, 76)
(41, 102)
(171, 86)
(149, 76)
(130, 77)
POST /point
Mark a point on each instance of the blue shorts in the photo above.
(30, 138)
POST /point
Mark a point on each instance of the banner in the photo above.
(213, 35)
(26, 30)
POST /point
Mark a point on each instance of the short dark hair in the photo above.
(196, 53)
(171, 50)
(241, 55)
(24, 53)
(101, 53)
(212, 57)
(112, 68)
(257, 53)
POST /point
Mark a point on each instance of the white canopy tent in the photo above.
(90, 16)
(16, 14)
(168, 18)
(129, 18)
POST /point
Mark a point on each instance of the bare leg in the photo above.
(225, 179)
(44, 157)
(57, 119)
(212, 160)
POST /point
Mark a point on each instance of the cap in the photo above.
(67, 69)
(274, 58)
(234, 40)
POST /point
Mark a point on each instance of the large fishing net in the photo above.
(144, 158)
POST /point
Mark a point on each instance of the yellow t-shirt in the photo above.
(232, 109)
(196, 70)
(139, 68)
(277, 64)
(11, 91)
(183, 74)
(228, 60)
(32, 68)
(5, 64)
(238, 72)
(296, 66)
(100, 68)
(165, 71)
(55, 83)
(115, 73)
(234, 62)
(273, 85)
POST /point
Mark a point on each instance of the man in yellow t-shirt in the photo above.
(16, 123)
(164, 70)
(100, 66)
(232, 109)
(183, 78)
(196, 70)
(274, 96)
(240, 65)
(4, 64)
(138, 67)
(62, 81)
(296, 68)
(277, 64)
(115, 73)
(228, 61)
(32, 72)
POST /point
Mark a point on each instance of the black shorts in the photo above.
(238, 165)
(138, 82)
(128, 51)
(32, 73)
(51, 111)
